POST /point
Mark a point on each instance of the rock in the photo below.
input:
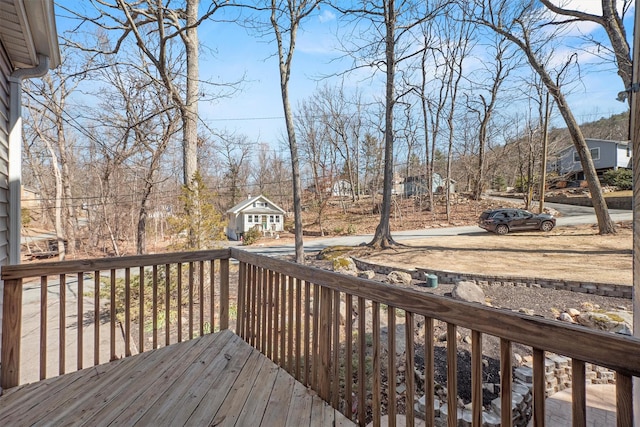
(367, 274)
(399, 277)
(468, 291)
(517, 358)
(345, 265)
(490, 419)
(527, 311)
(565, 317)
(443, 336)
(401, 342)
(573, 312)
(467, 339)
(611, 321)
(587, 306)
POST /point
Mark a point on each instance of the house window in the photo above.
(271, 218)
(250, 218)
(595, 154)
(277, 218)
(255, 218)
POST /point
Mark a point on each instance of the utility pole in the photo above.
(545, 138)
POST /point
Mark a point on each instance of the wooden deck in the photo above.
(215, 380)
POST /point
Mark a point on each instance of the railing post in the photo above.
(224, 294)
(11, 330)
(324, 348)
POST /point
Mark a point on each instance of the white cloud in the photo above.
(326, 16)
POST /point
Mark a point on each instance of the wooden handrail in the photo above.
(11, 272)
(294, 315)
(613, 351)
(329, 346)
(14, 276)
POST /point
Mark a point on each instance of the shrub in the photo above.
(251, 236)
(621, 178)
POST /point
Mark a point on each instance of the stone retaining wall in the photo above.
(558, 374)
(444, 276)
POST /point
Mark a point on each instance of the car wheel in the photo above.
(502, 229)
(546, 226)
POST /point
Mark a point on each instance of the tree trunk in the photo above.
(382, 237)
(605, 224)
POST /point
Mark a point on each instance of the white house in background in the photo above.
(254, 212)
(417, 185)
(341, 188)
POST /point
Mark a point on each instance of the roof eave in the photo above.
(42, 20)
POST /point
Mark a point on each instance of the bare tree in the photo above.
(46, 103)
(612, 21)
(386, 42)
(501, 67)
(519, 23)
(286, 17)
(455, 50)
(235, 151)
(318, 154)
(143, 18)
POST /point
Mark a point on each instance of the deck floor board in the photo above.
(214, 380)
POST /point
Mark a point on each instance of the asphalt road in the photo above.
(569, 215)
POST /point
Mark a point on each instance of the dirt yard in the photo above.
(570, 253)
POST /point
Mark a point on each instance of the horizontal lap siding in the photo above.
(5, 70)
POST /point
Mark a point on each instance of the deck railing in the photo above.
(105, 299)
(326, 329)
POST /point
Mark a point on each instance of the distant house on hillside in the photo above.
(254, 212)
(341, 188)
(417, 185)
(606, 155)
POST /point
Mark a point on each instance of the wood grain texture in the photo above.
(409, 366)
(362, 349)
(376, 389)
(80, 321)
(179, 302)
(224, 294)
(476, 377)
(391, 368)
(62, 336)
(76, 266)
(127, 312)
(43, 327)
(154, 307)
(452, 375)
(604, 349)
(506, 379)
(348, 362)
(213, 380)
(96, 318)
(429, 371)
(624, 400)
(539, 387)
(11, 331)
(167, 304)
(578, 393)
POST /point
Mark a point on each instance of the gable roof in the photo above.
(247, 206)
(29, 29)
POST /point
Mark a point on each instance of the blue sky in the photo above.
(256, 110)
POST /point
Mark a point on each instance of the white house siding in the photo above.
(4, 161)
(624, 156)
